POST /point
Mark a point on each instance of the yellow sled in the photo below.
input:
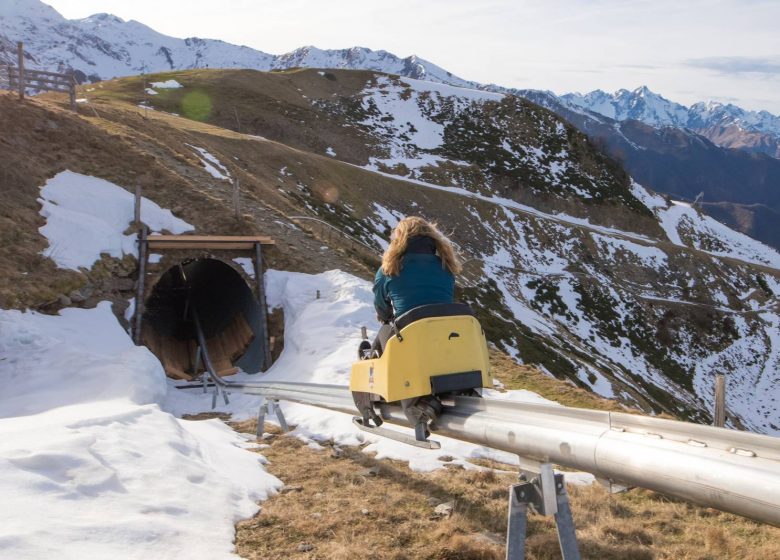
(437, 350)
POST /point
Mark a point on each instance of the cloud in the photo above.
(737, 65)
(638, 66)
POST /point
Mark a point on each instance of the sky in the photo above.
(686, 50)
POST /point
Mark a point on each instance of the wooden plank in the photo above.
(62, 88)
(213, 238)
(203, 245)
(157, 242)
(43, 80)
(66, 77)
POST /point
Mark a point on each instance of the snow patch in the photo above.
(167, 84)
(212, 165)
(87, 217)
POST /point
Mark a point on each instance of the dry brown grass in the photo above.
(515, 376)
(40, 138)
(323, 516)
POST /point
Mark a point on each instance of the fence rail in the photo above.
(18, 78)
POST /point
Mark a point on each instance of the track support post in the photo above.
(270, 406)
(547, 495)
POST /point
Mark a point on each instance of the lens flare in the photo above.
(196, 105)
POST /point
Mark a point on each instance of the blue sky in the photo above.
(688, 51)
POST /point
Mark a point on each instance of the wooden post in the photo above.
(720, 401)
(138, 203)
(261, 300)
(139, 294)
(238, 122)
(236, 200)
(20, 47)
(72, 93)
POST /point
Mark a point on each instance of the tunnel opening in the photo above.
(229, 313)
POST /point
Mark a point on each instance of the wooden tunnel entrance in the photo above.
(231, 310)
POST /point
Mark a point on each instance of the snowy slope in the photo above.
(92, 467)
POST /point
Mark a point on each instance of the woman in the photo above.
(418, 268)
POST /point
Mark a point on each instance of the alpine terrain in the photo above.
(723, 151)
(574, 266)
(601, 297)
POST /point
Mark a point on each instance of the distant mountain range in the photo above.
(725, 125)
(730, 154)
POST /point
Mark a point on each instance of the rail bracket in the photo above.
(545, 494)
(270, 406)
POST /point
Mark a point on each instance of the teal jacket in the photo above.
(422, 281)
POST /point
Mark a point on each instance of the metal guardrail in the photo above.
(729, 470)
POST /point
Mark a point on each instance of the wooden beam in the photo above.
(238, 246)
(213, 238)
(157, 242)
(65, 77)
(20, 48)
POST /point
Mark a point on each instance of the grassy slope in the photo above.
(276, 104)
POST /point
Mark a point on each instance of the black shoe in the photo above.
(364, 350)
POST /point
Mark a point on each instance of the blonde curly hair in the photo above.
(410, 227)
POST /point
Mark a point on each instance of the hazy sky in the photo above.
(687, 50)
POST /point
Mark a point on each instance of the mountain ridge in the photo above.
(193, 52)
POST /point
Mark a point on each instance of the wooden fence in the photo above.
(20, 79)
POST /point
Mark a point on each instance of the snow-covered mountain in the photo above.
(104, 46)
(724, 124)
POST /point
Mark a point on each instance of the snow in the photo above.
(247, 264)
(92, 467)
(212, 165)
(330, 151)
(643, 255)
(680, 217)
(167, 84)
(150, 91)
(87, 217)
(400, 111)
(653, 109)
(382, 221)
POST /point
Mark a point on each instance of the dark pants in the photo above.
(385, 333)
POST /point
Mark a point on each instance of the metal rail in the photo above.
(729, 470)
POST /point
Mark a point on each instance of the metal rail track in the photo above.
(729, 470)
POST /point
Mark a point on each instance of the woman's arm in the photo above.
(382, 303)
